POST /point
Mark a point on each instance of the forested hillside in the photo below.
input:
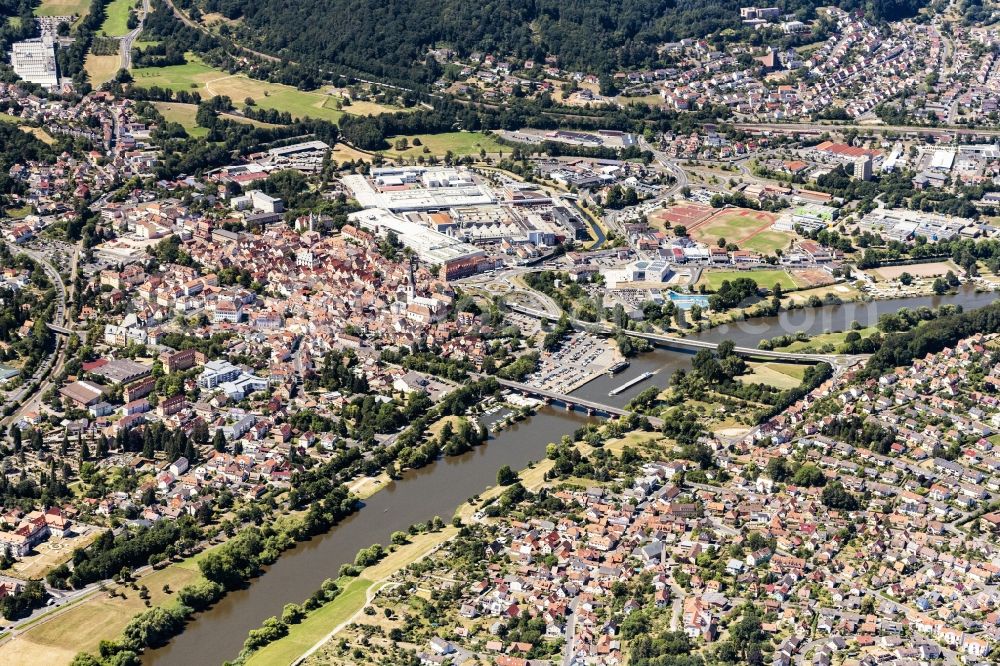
(389, 38)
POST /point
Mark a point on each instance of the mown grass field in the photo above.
(101, 68)
(317, 625)
(116, 21)
(766, 278)
(62, 8)
(183, 114)
(459, 143)
(817, 342)
(779, 375)
(766, 242)
(196, 76)
(845, 292)
(81, 628)
(739, 226)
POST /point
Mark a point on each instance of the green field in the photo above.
(766, 278)
(62, 8)
(738, 227)
(184, 114)
(459, 143)
(833, 339)
(318, 624)
(196, 76)
(779, 375)
(731, 227)
(116, 23)
(766, 242)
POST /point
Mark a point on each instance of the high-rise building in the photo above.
(863, 168)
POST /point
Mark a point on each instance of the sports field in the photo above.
(749, 229)
(688, 215)
(101, 68)
(459, 143)
(116, 21)
(765, 278)
(196, 76)
(62, 8)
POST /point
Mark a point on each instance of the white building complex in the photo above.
(34, 60)
(455, 257)
(401, 189)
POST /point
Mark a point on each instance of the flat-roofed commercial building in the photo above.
(456, 258)
(34, 60)
(403, 189)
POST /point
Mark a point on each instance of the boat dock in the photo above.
(617, 367)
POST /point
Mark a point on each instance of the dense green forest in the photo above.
(390, 38)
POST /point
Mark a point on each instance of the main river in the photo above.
(664, 362)
(436, 490)
(218, 634)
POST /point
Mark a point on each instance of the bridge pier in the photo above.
(569, 406)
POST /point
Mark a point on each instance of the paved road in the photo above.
(799, 128)
(54, 363)
(125, 49)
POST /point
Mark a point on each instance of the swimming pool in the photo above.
(687, 301)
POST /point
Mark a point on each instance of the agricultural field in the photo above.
(779, 375)
(196, 76)
(933, 269)
(749, 229)
(116, 21)
(765, 278)
(101, 68)
(62, 8)
(459, 143)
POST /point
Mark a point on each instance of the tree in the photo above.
(219, 441)
(506, 476)
(835, 496)
(906, 279)
(809, 475)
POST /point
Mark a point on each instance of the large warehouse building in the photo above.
(34, 60)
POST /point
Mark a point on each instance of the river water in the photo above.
(218, 634)
(214, 636)
(663, 362)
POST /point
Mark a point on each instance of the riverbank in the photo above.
(218, 633)
(325, 624)
(322, 624)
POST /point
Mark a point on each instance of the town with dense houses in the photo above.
(500, 355)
